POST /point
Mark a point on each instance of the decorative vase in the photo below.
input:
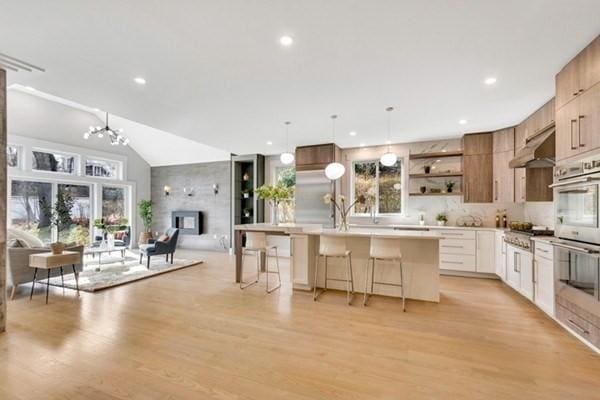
(423, 189)
(144, 237)
(343, 223)
(449, 190)
(274, 214)
(441, 223)
(57, 247)
(110, 238)
(427, 169)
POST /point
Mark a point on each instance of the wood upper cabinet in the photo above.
(579, 75)
(503, 175)
(315, 157)
(478, 167)
(578, 125)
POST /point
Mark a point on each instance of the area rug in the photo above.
(118, 273)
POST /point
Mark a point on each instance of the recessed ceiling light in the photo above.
(269, 143)
(490, 81)
(286, 41)
(462, 121)
(139, 80)
(353, 133)
(362, 145)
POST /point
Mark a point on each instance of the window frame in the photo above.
(119, 173)
(402, 188)
(76, 161)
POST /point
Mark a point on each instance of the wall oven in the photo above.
(577, 202)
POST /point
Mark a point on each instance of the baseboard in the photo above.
(466, 274)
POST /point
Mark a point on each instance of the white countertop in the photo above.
(359, 228)
(377, 232)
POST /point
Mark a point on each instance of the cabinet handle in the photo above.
(581, 144)
(535, 266)
(578, 327)
(573, 147)
(453, 262)
(496, 190)
(523, 188)
(515, 263)
(466, 191)
(453, 247)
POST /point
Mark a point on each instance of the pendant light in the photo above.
(287, 157)
(388, 158)
(335, 170)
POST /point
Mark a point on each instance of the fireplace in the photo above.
(188, 222)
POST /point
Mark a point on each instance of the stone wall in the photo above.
(199, 179)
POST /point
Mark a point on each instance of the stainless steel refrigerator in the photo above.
(311, 186)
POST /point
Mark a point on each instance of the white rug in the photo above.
(116, 272)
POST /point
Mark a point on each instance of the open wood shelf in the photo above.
(441, 175)
(436, 194)
(439, 154)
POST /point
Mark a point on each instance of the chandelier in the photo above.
(115, 135)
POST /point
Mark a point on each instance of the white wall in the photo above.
(33, 117)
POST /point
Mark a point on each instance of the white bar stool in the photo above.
(256, 242)
(383, 249)
(334, 246)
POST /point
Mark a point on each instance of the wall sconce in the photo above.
(215, 189)
(167, 190)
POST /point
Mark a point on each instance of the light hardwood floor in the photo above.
(192, 334)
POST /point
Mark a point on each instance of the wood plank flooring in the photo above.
(193, 334)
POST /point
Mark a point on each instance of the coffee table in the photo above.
(48, 261)
(98, 251)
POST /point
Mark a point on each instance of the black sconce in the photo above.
(167, 190)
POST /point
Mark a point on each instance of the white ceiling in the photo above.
(217, 74)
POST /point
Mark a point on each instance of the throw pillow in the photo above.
(163, 238)
(26, 238)
(14, 243)
(119, 235)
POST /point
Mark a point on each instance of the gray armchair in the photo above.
(156, 247)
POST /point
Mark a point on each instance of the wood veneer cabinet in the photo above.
(503, 175)
(579, 75)
(478, 168)
(310, 158)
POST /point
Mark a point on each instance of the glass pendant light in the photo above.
(388, 158)
(335, 170)
(287, 157)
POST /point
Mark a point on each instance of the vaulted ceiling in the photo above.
(217, 74)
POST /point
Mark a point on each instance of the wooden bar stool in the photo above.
(256, 242)
(334, 246)
(383, 249)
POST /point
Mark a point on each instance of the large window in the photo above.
(113, 203)
(286, 176)
(53, 162)
(26, 204)
(79, 231)
(379, 187)
(102, 168)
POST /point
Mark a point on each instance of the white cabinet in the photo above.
(500, 255)
(525, 260)
(513, 278)
(486, 253)
(543, 277)
(458, 250)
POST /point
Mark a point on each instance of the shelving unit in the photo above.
(247, 174)
(453, 169)
(441, 175)
(439, 154)
(436, 194)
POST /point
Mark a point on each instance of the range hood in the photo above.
(539, 151)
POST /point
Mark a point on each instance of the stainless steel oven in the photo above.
(578, 268)
(577, 203)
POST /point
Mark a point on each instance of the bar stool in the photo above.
(383, 249)
(334, 246)
(256, 242)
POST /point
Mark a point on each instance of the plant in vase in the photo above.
(450, 186)
(246, 193)
(343, 209)
(441, 219)
(59, 216)
(274, 194)
(145, 213)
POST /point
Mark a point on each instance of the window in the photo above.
(102, 168)
(286, 176)
(25, 204)
(12, 156)
(379, 187)
(113, 203)
(53, 162)
(79, 231)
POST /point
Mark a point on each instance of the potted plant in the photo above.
(247, 212)
(450, 186)
(59, 216)
(145, 213)
(441, 219)
(274, 194)
(423, 189)
(427, 168)
(246, 193)
(108, 227)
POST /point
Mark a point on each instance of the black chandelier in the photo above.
(115, 135)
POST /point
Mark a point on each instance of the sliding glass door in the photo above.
(113, 204)
(79, 230)
(26, 204)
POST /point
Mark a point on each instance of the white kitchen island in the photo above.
(420, 256)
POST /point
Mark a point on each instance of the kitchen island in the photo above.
(420, 257)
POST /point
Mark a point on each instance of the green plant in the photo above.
(441, 217)
(450, 185)
(111, 226)
(60, 214)
(145, 213)
(274, 193)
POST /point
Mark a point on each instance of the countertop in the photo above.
(378, 232)
(300, 228)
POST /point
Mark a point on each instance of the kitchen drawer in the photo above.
(544, 250)
(458, 262)
(458, 234)
(457, 246)
(581, 326)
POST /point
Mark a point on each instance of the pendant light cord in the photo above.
(389, 135)
(287, 136)
(333, 118)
